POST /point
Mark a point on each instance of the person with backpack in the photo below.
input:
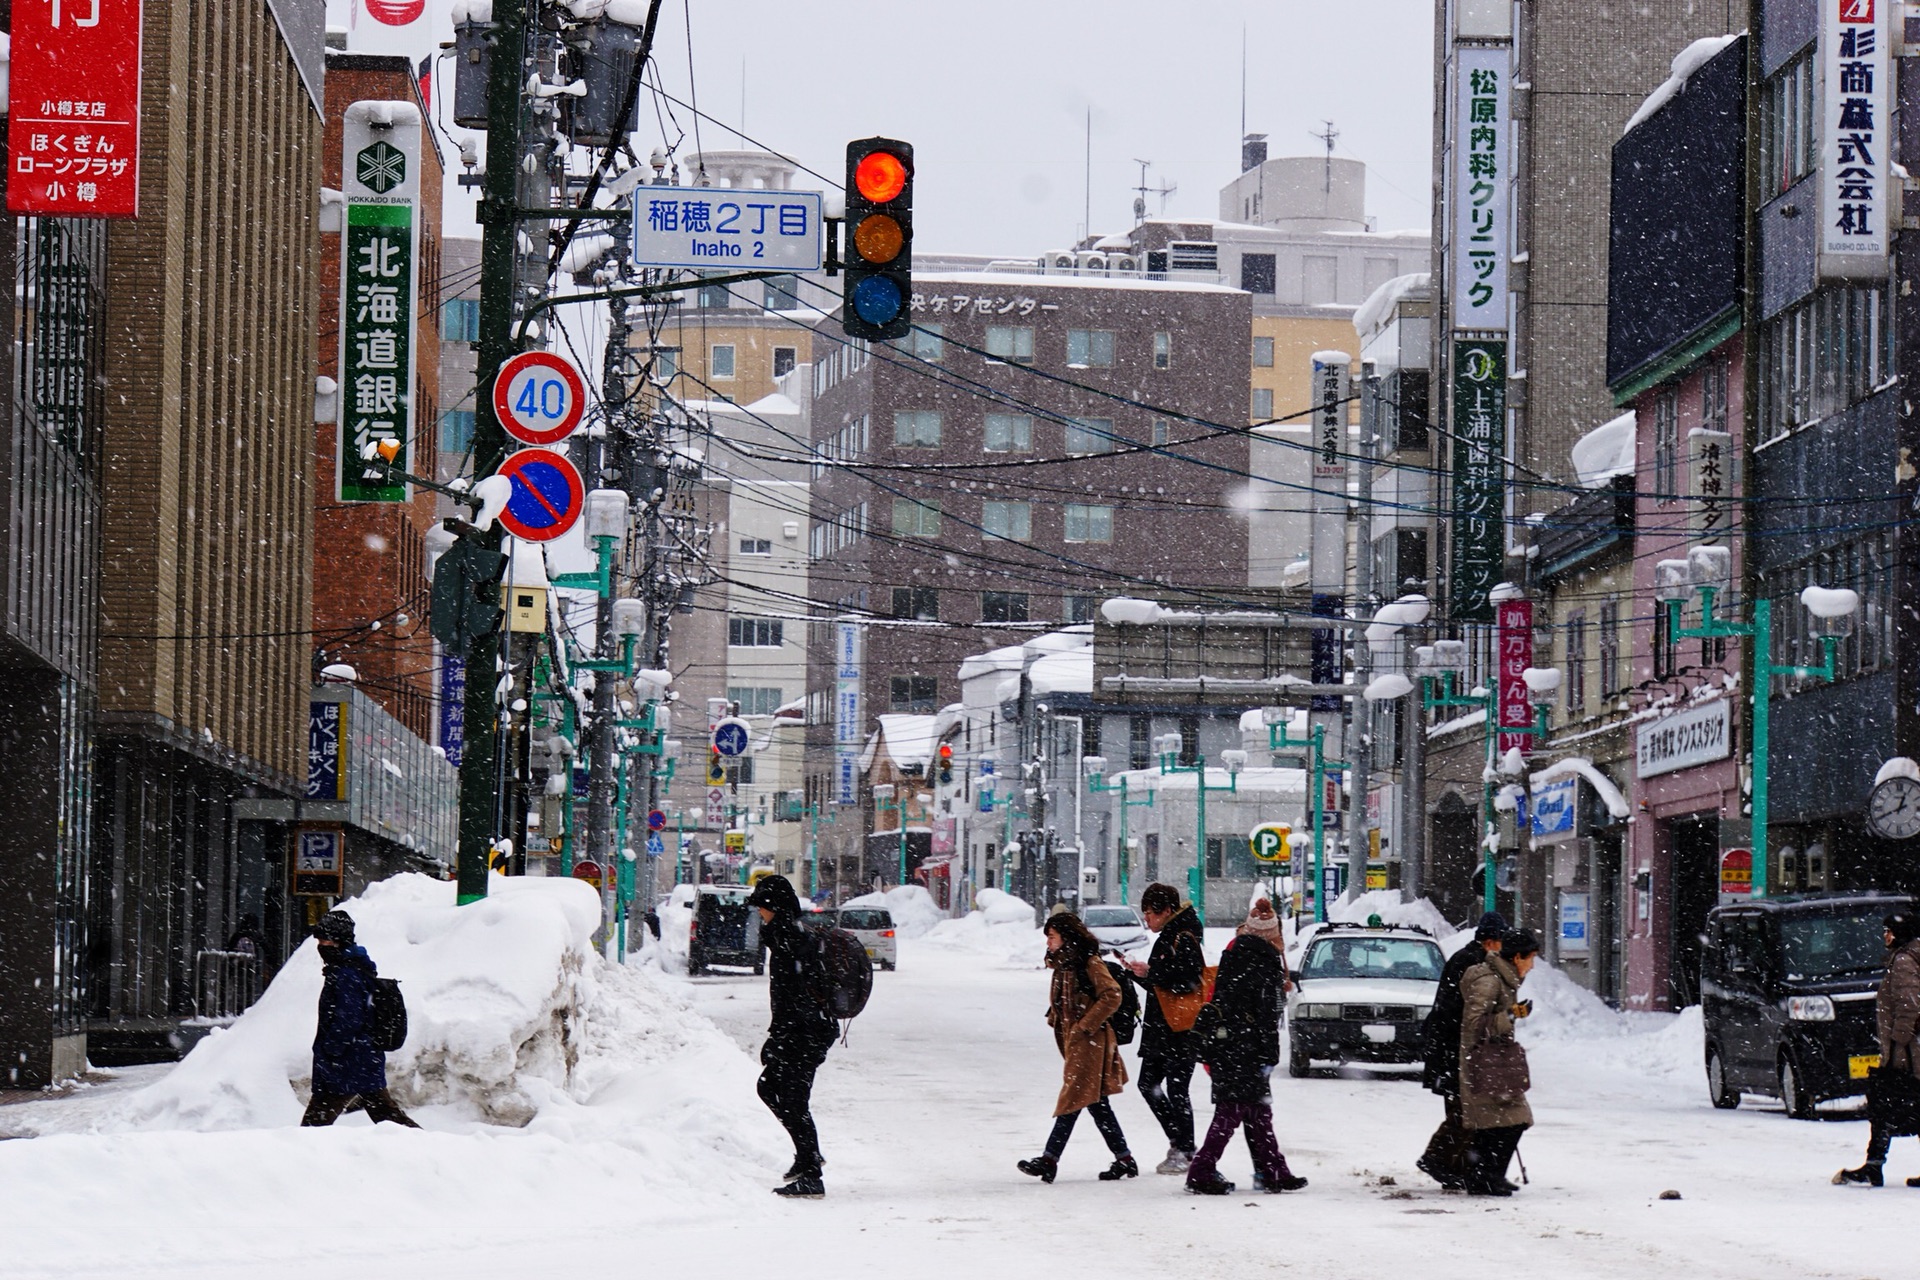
(1237, 1034)
(1493, 1067)
(799, 988)
(1445, 1159)
(1081, 1001)
(1172, 978)
(349, 1060)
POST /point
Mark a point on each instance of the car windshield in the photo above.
(856, 918)
(1412, 959)
(1111, 918)
(1829, 945)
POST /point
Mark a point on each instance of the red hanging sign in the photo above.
(1514, 636)
(73, 133)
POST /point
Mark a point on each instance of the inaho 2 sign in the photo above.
(1856, 138)
(754, 230)
(73, 135)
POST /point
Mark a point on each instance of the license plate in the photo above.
(1861, 1063)
(1378, 1034)
(870, 954)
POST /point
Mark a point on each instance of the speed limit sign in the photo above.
(539, 397)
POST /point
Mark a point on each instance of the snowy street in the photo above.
(948, 1079)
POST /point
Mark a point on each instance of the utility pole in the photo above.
(1358, 840)
(601, 745)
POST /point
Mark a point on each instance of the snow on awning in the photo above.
(1582, 767)
(1685, 63)
(1607, 451)
(909, 739)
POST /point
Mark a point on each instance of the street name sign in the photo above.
(751, 230)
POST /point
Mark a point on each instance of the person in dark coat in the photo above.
(1238, 1037)
(1082, 998)
(349, 1069)
(801, 1032)
(1494, 1110)
(1893, 1096)
(1176, 966)
(1445, 1159)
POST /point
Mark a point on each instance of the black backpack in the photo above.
(389, 1015)
(842, 979)
(1126, 1019)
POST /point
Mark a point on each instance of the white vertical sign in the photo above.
(1856, 138)
(1327, 559)
(1482, 176)
(847, 720)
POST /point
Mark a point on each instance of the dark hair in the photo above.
(1492, 928)
(1160, 897)
(1519, 943)
(335, 927)
(1078, 943)
(1904, 926)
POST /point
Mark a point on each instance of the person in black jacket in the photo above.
(801, 1032)
(1445, 1159)
(349, 1070)
(1167, 1057)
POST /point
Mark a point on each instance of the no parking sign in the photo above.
(547, 495)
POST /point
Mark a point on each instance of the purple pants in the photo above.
(1257, 1119)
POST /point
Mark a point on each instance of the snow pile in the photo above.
(912, 907)
(497, 996)
(1386, 904)
(1606, 451)
(1685, 63)
(909, 739)
(1000, 926)
(494, 492)
(1830, 602)
(1388, 687)
(1378, 307)
(1125, 611)
(1563, 1009)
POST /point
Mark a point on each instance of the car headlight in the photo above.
(1421, 1012)
(1810, 1008)
(1327, 1011)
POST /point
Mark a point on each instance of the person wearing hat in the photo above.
(349, 1069)
(1445, 1159)
(1493, 1066)
(801, 1032)
(1893, 1095)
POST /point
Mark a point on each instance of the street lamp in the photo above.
(1312, 750)
(1167, 746)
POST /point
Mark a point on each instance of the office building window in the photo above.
(1010, 520)
(666, 363)
(1003, 606)
(1576, 674)
(460, 321)
(1256, 272)
(1262, 404)
(783, 294)
(1086, 523)
(1610, 648)
(1160, 431)
(1007, 433)
(1139, 742)
(1089, 435)
(914, 695)
(1163, 351)
(1229, 858)
(1189, 741)
(720, 362)
(1082, 609)
(916, 429)
(1011, 343)
(756, 546)
(919, 603)
(1092, 348)
(754, 633)
(754, 700)
(784, 359)
(916, 519)
(456, 431)
(1263, 353)
(1789, 130)
(1821, 355)
(1666, 446)
(927, 342)
(715, 297)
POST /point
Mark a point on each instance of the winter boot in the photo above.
(1913, 1182)
(1044, 1168)
(1210, 1186)
(807, 1187)
(1122, 1167)
(1274, 1183)
(800, 1168)
(1867, 1175)
(1176, 1161)
(1448, 1180)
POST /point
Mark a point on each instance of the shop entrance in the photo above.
(1693, 845)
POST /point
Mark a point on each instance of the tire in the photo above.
(759, 965)
(1298, 1063)
(1793, 1096)
(1723, 1095)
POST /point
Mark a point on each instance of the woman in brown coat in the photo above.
(1493, 1103)
(1081, 1000)
(1893, 1094)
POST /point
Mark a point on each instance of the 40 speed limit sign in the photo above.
(539, 397)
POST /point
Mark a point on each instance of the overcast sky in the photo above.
(994, 96)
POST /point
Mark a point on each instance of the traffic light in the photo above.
(465, 602)
(879, 258)
(946, 764)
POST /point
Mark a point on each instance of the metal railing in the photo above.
(227, 983)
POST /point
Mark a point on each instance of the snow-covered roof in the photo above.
(1582, 767)
(1380, 303)
(529, 565)
(1063, 673)
(1606, 451)
(1685, 63)
(909, 739)
(1006, 658)
(1262, 780)
(1035, 280)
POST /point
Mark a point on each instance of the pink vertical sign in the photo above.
(1514, 637)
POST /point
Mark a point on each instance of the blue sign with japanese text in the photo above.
(752, 229)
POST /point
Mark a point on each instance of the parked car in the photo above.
(1117, 925)
(873, 926)
(724, 930)
(1361, 994)
(1787, 994)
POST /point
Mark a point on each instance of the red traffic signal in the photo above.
(946, 762)
(879, 264)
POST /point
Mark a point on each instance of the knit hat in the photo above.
(1267, 927)
(1492, 928)
(1521, 942)
(336, 927)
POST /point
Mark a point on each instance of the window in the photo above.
(1713, 396)
(1229, 858)
(1609, 648)
(666, 363)
(1664, 662)
(1010, 520)
(714, 297)
(783, 294)
(1003, 606)
(1159, 431)
(1318, 277)
(1013, 344)
(754, 633)
(1082, 609)
(754, 700)
(1089, 435)
(1262, 404)
(1865, 565)
(1089, 523)
(456, 431)
(1189, 741)
(756, 546)
(1821, 355)
(1139, 742)
(1666, 446)
(1163, 351)
(916, 429)
(1789, 130)
(1263, 353)
(1256, 272)
(926, 342)
(784, 359)
(1577, 661)
(1092, 348)
(1007, 433)
(460, 321)
(740, 771)
(919, 603)
(916, 519)
(914, 695)
(720, 361)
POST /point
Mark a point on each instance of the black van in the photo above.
(1787, 992)
(725, 930)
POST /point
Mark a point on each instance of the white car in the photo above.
(1362, 994)
(873, 926)
(1118, 926)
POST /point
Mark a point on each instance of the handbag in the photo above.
(1496, 1068)
(1893, 1098)
(1181, 1010)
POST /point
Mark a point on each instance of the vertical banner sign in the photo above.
(327, 751)
(1514, 635)
(1707, 480)
(1856, 137)
(380, 178)
(74, 92)
(1479, 501)
(1327, 554)
(1481, 215)
(453, 706)
(847, 720)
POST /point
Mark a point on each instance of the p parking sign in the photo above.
(1269, 843)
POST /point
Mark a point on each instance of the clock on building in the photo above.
(1893, 808)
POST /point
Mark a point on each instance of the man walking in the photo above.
(1177, 967)
(801, 1032)
(349, 1069)
(1445, 1159)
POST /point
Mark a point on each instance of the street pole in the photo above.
(601, 788)
(1358, 838)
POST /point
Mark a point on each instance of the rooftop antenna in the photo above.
(1086, 227)
(1328, 136)
(1243, 79)
(1164, 190)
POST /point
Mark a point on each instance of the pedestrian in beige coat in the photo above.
(1081, 1001)
(1893, 1092)
(1493, 1066)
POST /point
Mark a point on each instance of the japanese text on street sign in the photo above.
(319, 861)
(326, 751)
(719, 226)
(1481, 218)
(1707, 475)
(1479, 490)
(453, 706)
(848, 645)
(378, 252)
(1856, 137)
(74, 131)
(1514, 635)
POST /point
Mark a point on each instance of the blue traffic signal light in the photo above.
(879, 255)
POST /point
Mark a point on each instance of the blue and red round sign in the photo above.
(539, 397)
(547, 495)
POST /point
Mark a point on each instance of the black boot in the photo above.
(1448, 1180)
(1212, 1185)
(1041, 1167)
(801, 1168)
(806, 1187)
(1122, 1167)
(1867, 1175)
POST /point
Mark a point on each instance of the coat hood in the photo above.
(776, 894)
